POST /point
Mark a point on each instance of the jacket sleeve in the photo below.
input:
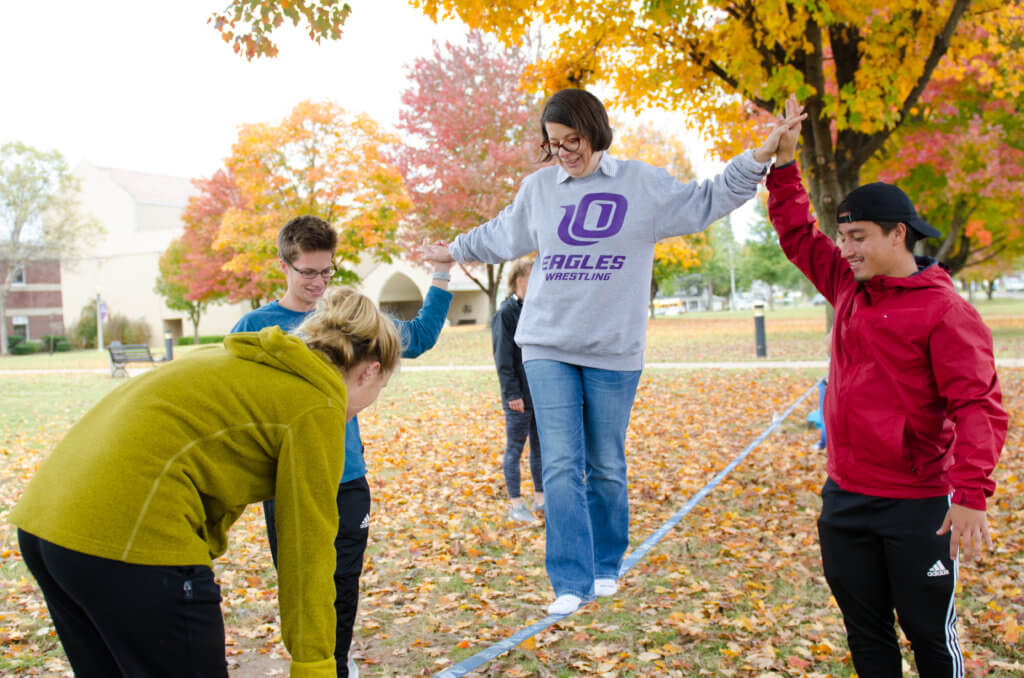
(813, 252)
(420, 334)
(309, 468)
(503, 238)
(503, 333)
(965, 375)
(690, 207)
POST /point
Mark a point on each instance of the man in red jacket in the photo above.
(914, 418)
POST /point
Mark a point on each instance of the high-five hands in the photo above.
(788, 129)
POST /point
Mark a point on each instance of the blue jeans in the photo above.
(518, 427)
(582, 414)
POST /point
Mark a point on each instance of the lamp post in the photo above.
(759, 337)
(100, 313)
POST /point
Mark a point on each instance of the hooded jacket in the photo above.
(158, 470)
(913, 407)
(508, 357)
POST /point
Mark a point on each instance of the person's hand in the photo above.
(969, 529)
(790, 123)
(437, 254)
(517, 405)
(786, 151)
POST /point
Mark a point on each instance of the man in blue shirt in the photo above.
(306, 248)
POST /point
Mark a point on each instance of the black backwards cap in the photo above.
(884, 202)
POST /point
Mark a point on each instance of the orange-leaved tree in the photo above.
(672, 256)
(470, 134)
(319, 160)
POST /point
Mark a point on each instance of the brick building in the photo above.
(34, 306)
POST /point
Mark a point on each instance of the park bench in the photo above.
(122, 354)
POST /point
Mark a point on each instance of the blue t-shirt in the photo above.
(418, 336)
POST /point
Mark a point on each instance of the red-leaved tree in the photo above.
(470, 134)
(202, 269)
(961, 156)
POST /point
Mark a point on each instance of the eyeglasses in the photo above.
(310, 274)
(571, 145)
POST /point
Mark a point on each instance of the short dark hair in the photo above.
(583, 112)
(306, 233)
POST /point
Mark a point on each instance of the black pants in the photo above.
(883, 554)
(518, 427)
(349, 547)
(119, 619)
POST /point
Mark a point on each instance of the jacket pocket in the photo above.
(878, 443)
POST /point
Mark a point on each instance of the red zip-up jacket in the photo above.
(913, 407)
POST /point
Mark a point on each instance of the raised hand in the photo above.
(788, 125)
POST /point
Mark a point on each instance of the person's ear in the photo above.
(369, 372)
(900, 234)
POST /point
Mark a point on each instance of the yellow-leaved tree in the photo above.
(319, 160)
(672, 256)
(859, 68)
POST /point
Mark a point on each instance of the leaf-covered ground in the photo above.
(734, 590)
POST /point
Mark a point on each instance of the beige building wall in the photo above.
(142, 214)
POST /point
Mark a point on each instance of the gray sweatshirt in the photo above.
(586, 303)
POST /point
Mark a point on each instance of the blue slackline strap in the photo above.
(501, 647)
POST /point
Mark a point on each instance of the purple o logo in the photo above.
(609, 211)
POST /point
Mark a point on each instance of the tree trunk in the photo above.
(3, 322)
(194, 316)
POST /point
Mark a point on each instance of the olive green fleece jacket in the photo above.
(158, 470)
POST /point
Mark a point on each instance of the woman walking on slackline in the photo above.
(121, 522)
(594, 221)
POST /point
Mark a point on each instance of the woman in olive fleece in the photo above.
(121, 523)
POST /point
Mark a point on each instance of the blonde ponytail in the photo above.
(349, 328)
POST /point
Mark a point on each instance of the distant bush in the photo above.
(119, 328)
(13, 340)
(211, 339)
(62, 346)
(116, 327)
(25, 348)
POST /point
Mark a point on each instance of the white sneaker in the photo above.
(565, 604)
(605, 587)
(353, 670)
(520, 514)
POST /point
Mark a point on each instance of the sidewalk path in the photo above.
(725, 365)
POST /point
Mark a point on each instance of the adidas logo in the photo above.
(366, 523)
(938, 570)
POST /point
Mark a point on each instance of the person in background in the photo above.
(121, 522)
(914, 416)
(594, 220)
(306, 247)
(520, 423)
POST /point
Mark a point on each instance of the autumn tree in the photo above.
(673, 256)
(319, 160)
(169, 285)
(469, 137)
(960, 155)
(40, 216)
(202, 270)
(247, 24)
(858, 67)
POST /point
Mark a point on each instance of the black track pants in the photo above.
(881, 555)
(119, 619)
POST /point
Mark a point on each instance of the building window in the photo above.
(19, 276)
(20, 323)
(466, 308)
